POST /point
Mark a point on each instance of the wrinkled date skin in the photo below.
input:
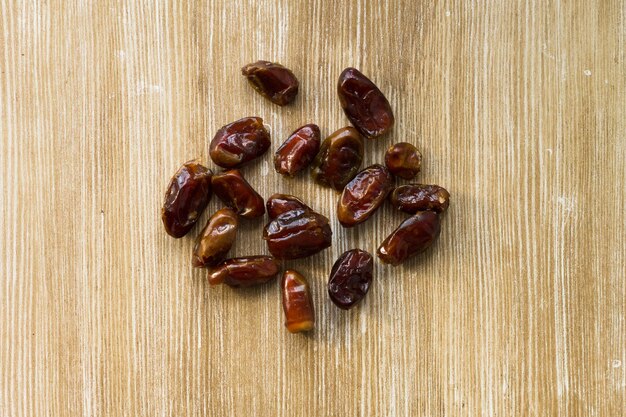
(216, 239)
(297, 302)
(412, 198)
(186, 198)
(297, 152)
(297, 234)
(350, 278)
(233, 189)
(403, 160)
(364, 104)
(272, 81)
(278, 204)
(239, 142)
(414, 235)
(244, 272)
(363, 195)
(339, 158)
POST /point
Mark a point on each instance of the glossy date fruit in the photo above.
(272, 81)
(403, 160)
(297, 302)
(414, 235)
(297, 234)
(297, 152)
(281, 203)
(244, 272)
(412, 198)
(216, 239)
(239, 142)
(363, 195)
(233, 189)
(364, 104)
(350, 278)
(339, 158)
(186, 198)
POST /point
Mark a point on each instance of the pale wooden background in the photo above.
(518, 107)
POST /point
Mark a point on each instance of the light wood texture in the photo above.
(518, 108)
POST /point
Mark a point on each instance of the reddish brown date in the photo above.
(297, 302)
(216, 239)
(297, 152)
(297, 234)
(281, 203)
(272, 81)
(244, 272)
(412, 198)
(339, 158)
(363, 195)
(186, 198)
(350, 278)
(239, 142)
(233, 189)
(414, 235)
(403, 160)
(364, 104)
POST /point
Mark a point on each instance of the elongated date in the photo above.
(363, 195)
(413, 236)
(233, 189)
(239, 142)
(297, 233)
(186, 197)
(216, 239)
(339, 158)
(412, 198)
(278, 204)
(244, 272)
(350, 278)
(273, 81)
(297, 152)
(297, 302)
(403, 160)
(364, 104)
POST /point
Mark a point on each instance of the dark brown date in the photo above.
(233, 189)
(339, 158)
(272, 81)
(364, 104)
(403, 160)
(412, 198)
(414, 235)
(244, 272)
(281, 203)
(350, 278)
(297, 302)
(363, 195)
(216, 239)
(297, 234)
(186, 198)
(239, 142)
(297, 152)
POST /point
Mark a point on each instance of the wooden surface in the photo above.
(518, 108)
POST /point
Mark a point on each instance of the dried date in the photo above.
(281, 203)
(363, 195)
(239, 142)
(412, 198)
(216, 239)
(233, 189)
(350, 278)
(414, 235)
(297, 152)
(273, 81)
(244, 272)
(297, 302)
(297, 234)
(339, 158)
(403, 160)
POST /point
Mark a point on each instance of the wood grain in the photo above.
(518, 108)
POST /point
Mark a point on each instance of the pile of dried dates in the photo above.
(296, 230)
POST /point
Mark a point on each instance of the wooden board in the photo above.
(518, 108)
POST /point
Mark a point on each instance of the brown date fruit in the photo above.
(239, 142)
(272, 81)
(297, 234)
(403, 160)
(414, 235)
(412, 198)
(233, 189)
(186, 198)
(364, 104)
(297, 152)
(297, 302)
(363, 195)
(350, 278)
(339, 158)
(281, 203)
(244, 272)
(216, 239)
